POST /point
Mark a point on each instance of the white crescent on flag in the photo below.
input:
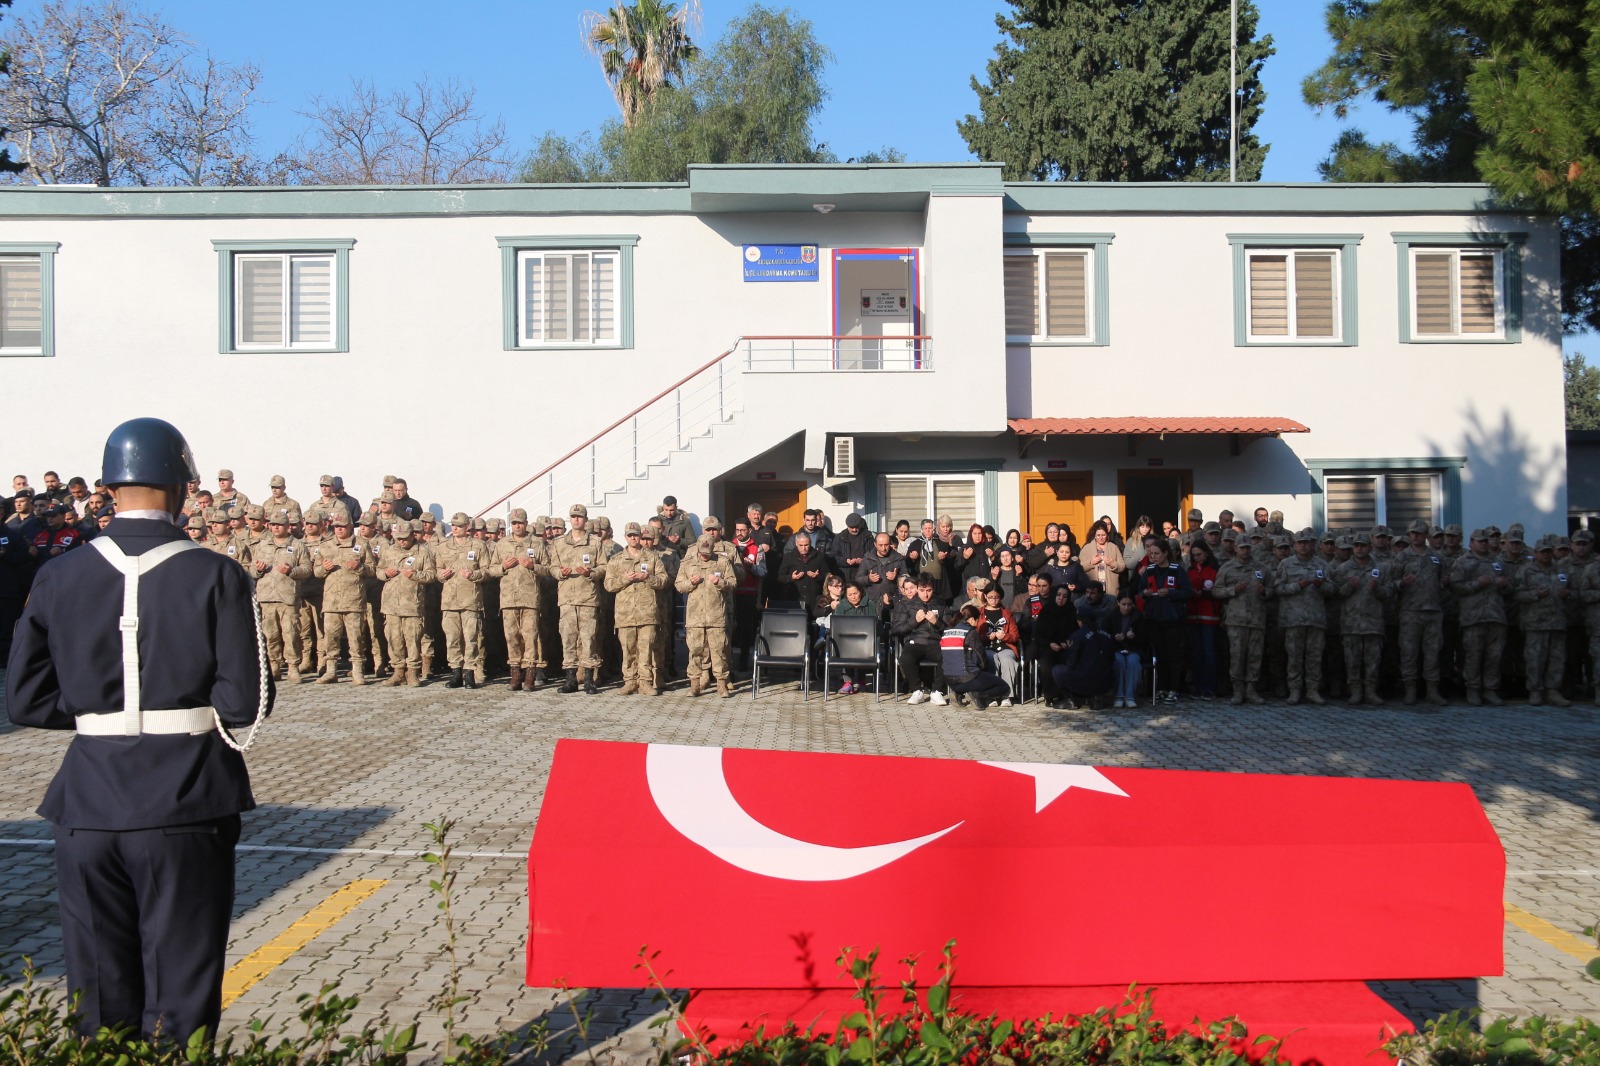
(691, 792)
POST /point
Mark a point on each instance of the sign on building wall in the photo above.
(884, 303)
(780, 262)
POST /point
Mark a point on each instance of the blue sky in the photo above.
(900, 75)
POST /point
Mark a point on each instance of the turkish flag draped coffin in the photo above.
(752, 869)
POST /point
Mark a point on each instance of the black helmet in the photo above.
(147, 451)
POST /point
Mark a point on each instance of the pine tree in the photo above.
(1119, 90)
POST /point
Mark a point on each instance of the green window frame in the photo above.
(1508, 249)
(1446, 467)
(1096, 249)
(1343, 245)
(228, 254)
(45, 253)
(512, 253)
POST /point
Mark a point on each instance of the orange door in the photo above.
(788, 498)
(1060, 498)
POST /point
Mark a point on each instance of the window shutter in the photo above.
(582, 309)
(907, 498)
(1352, 502)
(1269, 295)
(1431, 280)
(1022, 295)
(1313, 295)
(1408, 497)
(311, 301)
(557, 298)
(260, 300)
(20, 302)
(1066, 295)
(1477, 293)
(532, 298)
(605, 297)
(958, 498)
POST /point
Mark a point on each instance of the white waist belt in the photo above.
(191, 720)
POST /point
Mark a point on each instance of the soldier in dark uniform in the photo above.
(145, 807)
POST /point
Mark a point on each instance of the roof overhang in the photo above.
(1240, 431)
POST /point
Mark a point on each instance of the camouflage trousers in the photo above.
(349, 628)
(708, 653)
(1544, 656)
(1245, 645)
(579, 650)
(1482, 645)
(638, 654)
(310, 632)
(522, 636)
(1303, 646)
(280, 626)
(405, 641)
(1421, 636)
(463, 640)
(1363, 659)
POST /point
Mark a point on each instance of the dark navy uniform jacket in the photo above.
(197, 648)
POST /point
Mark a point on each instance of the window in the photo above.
(568, 292)
(1460, 287)
(27, 281)
(1294, 288)
(285, 296)
(915, 497)
(1056, 288)
(1458, 292)
(1063, 312)
(1392, 499)
(1294, 294)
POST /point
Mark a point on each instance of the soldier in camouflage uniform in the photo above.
(524, 560)
(311, 631)
(1243, 588)
(461, 563)
(576, 562)
(1587, 580)
(279, 564)
(368, 537)
(634, 577)
(1418, 577)
(550, 653)
(345, 563)
(666, 647)
(1364, 587)
(1301, 586)
(1542, 590)
(406, 568)
(1479, 583)
(707, 581)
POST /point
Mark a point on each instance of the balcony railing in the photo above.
(826, 353)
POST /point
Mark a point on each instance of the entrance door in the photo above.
(788, 498)
(1059, 498)
(1164, 495)
(875, 298)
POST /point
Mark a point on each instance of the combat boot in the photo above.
(356, 676)
(329, 675)
(538, 679)
(1492, 698)
(1313, 696)
(588, 681)
(630, 688)
(1356, 697)
(1436, 697)
(1535, 698)
(1410, 698)
(469, 678)
(294, 675)
(723, 688)
(397, 676)
(695, 685)
(1237, 698)
(414, 678)
(455, 679)
(1474, 699)
(1373, 699)
(570, 685)
(1252, 694)
(1557, 699)
(516, 679)
(1294, 695)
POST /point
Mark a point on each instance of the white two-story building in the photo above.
(900, 340)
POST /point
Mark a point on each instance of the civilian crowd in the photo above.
(1229, 609)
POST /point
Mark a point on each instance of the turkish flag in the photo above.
(753, 869)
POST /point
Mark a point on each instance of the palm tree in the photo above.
(642, 48)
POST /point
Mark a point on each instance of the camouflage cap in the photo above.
(632, 529)
(544, 521)
(428, 518)
(1211, 527)
(315, 516)
(340, 517)
(1453, 529)
(1435, 531)
(1243, 544)
(278, 518)
(388, 481)
(711, 521)
(386, 496)
(1361, 538)
(1583, 536)
(577, 510)
(224, 474)
(1544, 544)
(1382, 531)
(1230, 537)
(706, 544)
(276, 481)
(325, 479)
(216, 514)
(1418, 525)
(255, 510)
(294, 515)
(1563, 542)
(1306, 534)
(367, 519)
(1516, 527)
(1480, 534)
(1275, 516)
(1195, 513)
(461, 518)
(195, 522)
(1328, 537)
(602, 523)
(478, 523)
(1491, 530)
(1344, 543)
(494, 525)
(402, 527)
(1514, 535)
(518, 515)
(1280, 540)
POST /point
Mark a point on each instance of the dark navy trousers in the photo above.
(144, 921)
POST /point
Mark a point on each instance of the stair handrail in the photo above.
(631, 414)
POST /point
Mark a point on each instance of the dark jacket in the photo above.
(1174, 606)
(805, 588)
(851, 544)
(197, 646)
(903, 623)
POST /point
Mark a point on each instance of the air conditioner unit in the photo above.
(843, 455)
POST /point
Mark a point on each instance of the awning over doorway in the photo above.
(1240, 430)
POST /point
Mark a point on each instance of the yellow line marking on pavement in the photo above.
(1553, 935)
(242, 975)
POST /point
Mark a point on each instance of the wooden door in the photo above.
(788, 498)
(1063, 498)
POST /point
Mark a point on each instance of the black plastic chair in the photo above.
(783, 640)
(852, 645)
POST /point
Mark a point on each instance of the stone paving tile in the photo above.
(355, 772)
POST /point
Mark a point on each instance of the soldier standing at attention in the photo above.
(634, 576)
(1243, 586)
(406, 568)
(460, 559)
(145, 807)
(1480, 584)
(524, 559)
(345, 564)
(575, 560)
(228, 497)
(1419, 583)
(280, 563)
(311, 633)
(1542, 589)
(707, 581)
(278, 499)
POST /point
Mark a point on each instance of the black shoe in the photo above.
(538, 679)
(588, 686)
(470, 679)
(570, 685)
(455, 679)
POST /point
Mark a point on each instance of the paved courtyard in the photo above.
(347, 776)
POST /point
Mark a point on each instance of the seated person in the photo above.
(1084, 674)
(1003, 641)
(854, 605)
(1128, 634)
(961, 649)
(917, 625)
(1050, 636)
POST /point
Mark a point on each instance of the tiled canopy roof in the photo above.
(1149, 427)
